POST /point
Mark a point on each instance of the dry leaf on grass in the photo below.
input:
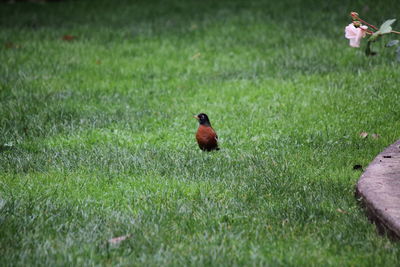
(11, 45)
(341, 211)
(117, 240)
(68, 37)
(363, 134)
(196, 55)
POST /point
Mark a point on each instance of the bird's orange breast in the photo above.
(206, 138)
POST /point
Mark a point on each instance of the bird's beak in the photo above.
(196, 117)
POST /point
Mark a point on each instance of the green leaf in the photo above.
(374, 36)
(392, 43)
(386, 26)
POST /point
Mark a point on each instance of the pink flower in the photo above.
(355, 34)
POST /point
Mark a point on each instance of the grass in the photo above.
(98, 140)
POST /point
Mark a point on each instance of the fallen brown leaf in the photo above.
(341, 211)
(68, 37)
(9, 45)
(363, 134)
(196, 55)
(117, 240)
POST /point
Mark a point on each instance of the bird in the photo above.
(206, 136)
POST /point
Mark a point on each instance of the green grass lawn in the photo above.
(97, 133)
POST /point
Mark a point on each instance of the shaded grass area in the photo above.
(100, 135)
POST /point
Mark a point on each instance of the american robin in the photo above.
(206, 137)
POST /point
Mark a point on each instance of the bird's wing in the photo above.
(216, 135)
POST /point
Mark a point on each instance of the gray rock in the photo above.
(379, 190)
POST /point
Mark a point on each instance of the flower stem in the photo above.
(372, 26)
(396, 32)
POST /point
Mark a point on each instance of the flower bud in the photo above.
(354, 15)
(356, 23)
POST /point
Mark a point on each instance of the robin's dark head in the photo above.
(203, 119)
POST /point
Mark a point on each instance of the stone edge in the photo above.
(384, 222)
